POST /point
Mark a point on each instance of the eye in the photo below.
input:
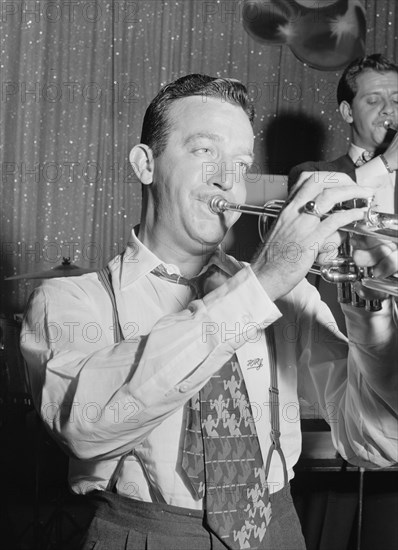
(203, 151)
(243, 166)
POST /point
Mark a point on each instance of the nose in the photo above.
(388, 107)
(224, 175)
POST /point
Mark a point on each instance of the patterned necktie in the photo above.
(223, 461)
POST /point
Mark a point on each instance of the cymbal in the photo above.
(66, 269)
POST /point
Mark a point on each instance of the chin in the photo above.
(211, 240)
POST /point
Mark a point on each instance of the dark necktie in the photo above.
(223, 461)
(365, 157)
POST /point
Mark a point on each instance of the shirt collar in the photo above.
(138, 261)
(355, 152)
(135, 262)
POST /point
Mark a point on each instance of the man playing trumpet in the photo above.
(179, 428)
(367, 96)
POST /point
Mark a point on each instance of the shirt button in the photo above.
(184, 388)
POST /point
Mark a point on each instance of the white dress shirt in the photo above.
(374, 174)
(102, 399)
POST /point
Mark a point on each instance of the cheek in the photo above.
(363, 122)
(242, 190)
(240, 193)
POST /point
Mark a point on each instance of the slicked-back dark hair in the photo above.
(156, 125)
(347, 86)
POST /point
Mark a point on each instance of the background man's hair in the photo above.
(156, 125)
(347, 86)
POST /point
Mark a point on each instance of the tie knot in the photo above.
(197, 284)
(161, 271)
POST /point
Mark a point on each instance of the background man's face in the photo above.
(375, 102)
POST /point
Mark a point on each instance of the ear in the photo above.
(141, 159)
(345, 111)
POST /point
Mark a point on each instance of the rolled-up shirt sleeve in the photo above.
(372, 397)
(355, 379)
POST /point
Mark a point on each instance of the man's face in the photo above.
(209, 148)
(375, 102)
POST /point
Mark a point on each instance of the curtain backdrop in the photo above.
(76, 79)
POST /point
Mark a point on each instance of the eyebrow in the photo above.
(379, 91)
(199, 135)
(212, 137)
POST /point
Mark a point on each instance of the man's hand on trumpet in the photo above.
(303, 229)
(390, 153)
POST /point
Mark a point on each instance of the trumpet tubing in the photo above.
(341, 270)
(376, 224)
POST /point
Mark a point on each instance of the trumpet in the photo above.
(390, 125)
(341, 270)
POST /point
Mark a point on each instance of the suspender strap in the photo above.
(274, 406)
(156, 495)
(274, 403)
(104, 275)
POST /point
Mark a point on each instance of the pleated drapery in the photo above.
(76, 79)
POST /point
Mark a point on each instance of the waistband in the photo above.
(129, 513)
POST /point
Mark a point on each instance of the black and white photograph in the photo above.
(199, 275)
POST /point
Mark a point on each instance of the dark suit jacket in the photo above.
(342, 164)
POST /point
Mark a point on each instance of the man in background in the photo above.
(367, 96)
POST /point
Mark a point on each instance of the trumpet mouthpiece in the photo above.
(389, 125)
(217, 204)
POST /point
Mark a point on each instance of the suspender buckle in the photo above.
(275, 437)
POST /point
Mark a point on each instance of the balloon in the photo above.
(325, 34)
